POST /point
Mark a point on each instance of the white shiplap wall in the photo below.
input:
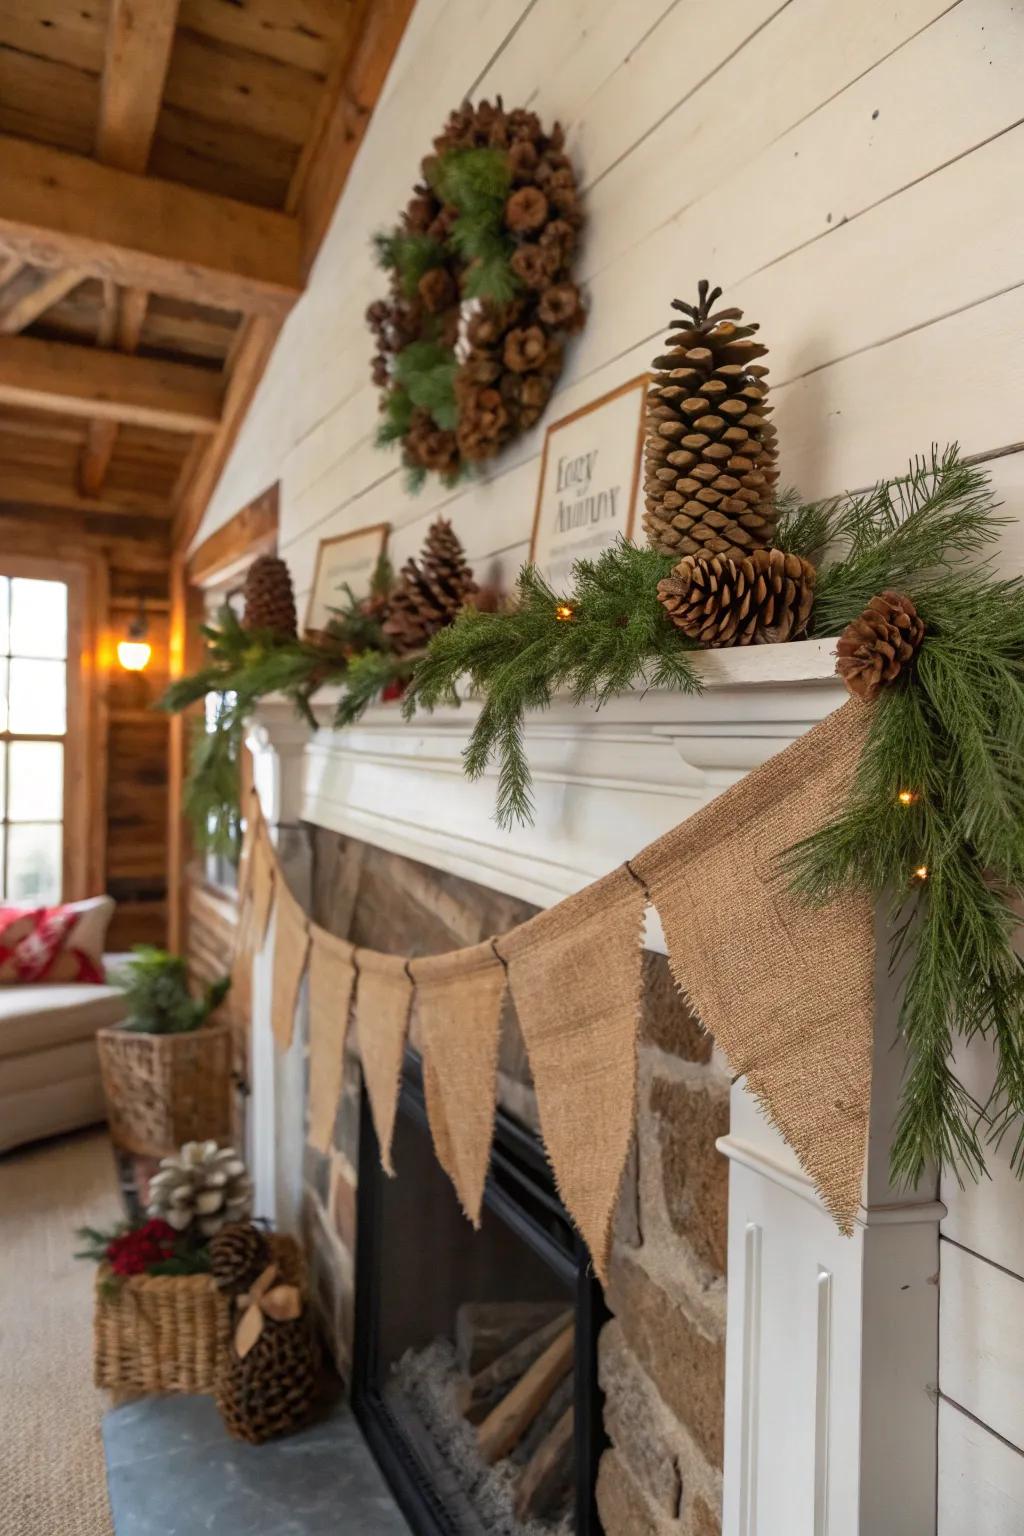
(853, 175)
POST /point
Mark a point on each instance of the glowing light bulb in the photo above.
(906, 797)
(921, 872)
(564, 613)
(134, 654)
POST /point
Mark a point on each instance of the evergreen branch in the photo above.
(366, 678)
(611, 636)
(426, 371)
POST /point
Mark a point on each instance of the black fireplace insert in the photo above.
(475, 1369)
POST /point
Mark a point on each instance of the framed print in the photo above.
(348, 560)
(589, 479)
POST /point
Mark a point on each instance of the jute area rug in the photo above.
(52, 1473)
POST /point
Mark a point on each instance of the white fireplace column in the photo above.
(275, 1130)
(832, 1342)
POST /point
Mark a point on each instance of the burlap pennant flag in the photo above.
(383, 1001)
(575, 974)
(291, 948)
(459, 998)
(786, 990)
(263, 872)
(332, 977)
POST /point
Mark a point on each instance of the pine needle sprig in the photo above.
(607, 635)
(901, 534)
(425, 371)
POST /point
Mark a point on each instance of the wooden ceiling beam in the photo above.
(53, 287)
(28, 488)
(60, 210)
(140, 35)
(57, 376)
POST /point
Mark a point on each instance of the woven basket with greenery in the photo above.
(165, 1333)
(167, 1071)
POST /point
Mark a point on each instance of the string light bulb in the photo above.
(921, 872)
(563, 613)
(906, 797)
(134, 652)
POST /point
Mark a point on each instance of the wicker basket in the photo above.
(166, 1333)
(164, 1090)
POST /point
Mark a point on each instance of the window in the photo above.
(33, 731)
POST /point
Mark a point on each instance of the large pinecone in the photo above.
(271, 1391)
(270, 598)
(203, 1186)
(876, 647)
(710, 450)
(756, 599)
(239, 1253)
(430, 592)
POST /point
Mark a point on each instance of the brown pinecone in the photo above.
(710, 450)
(560, 307)
(239, 1253)
(526, 210)
(430, 592)
(270, 598)
(530, 263)
(438, 290)
(272, 1390)
(483, 419)
(756, 599)
(523, 160)
(429, 445)
(875, 648)
(525, 348)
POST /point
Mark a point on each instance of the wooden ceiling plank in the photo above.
(94, 459)
(140, 35)
(319, 181)
(56, 376)
(53, 287)
(59, 210)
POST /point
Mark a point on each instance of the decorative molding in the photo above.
(606, 782)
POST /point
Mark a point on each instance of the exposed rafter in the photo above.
(56, 376)
(140, 35)
(29, 488)
(49, 290)
(59, 210)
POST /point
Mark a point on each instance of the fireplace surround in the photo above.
(420, 1267)
(818, 1411)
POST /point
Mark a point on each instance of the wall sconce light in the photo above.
(134, 652)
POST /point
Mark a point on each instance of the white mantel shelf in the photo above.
(606, 781)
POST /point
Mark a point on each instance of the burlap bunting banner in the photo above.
(263, 873)
(575, 973)
(383, 1001)
(332, 976)
(291, 947)
(786, 990)
(458, 999)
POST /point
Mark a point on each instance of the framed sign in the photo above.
(589, 478)
(349, 560)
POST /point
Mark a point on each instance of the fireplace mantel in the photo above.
(606, 781)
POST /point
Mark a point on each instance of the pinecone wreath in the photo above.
(430, 592)
(270, 598)
(203, 1185)
(710, 450)
(759, 599)
(875, 648)
(268, 1376)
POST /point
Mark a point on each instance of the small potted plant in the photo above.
(167, 1069)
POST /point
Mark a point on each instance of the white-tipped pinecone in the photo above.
(202, 1185)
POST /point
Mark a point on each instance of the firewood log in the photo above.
(486, 1329)
(506, 1424)
(476, 1397)
(548, 1471)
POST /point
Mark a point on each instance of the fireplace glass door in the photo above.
(475, 1376)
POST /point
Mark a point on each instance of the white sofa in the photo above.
(49, 1067)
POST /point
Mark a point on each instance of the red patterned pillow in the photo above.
(54, 944)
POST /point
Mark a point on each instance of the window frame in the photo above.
(80, 876)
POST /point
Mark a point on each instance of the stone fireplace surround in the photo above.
(817, 1418)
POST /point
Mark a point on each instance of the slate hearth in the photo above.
(172, 1470)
